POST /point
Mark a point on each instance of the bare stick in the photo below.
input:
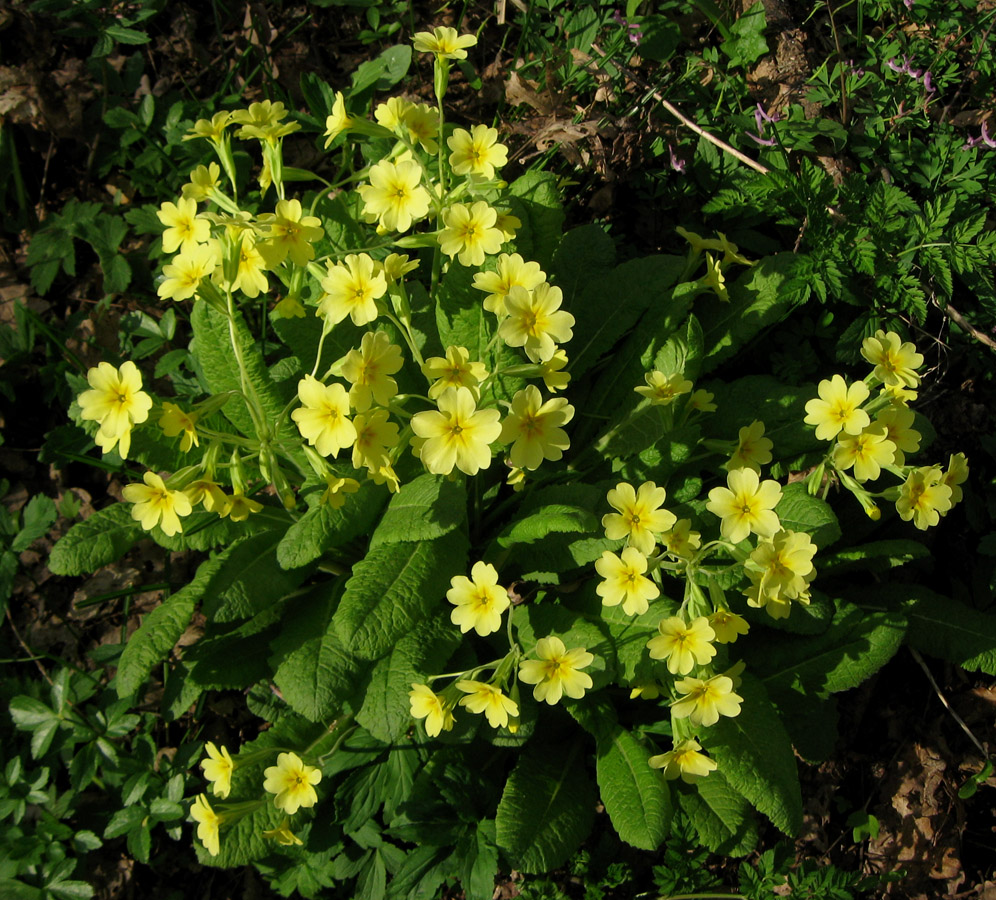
(947, 706)
(972, 330)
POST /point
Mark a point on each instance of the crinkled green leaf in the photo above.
(428, 507)
(535, 200)
(799, 511)
(554, 518)
(723, 819)
(948, 629)
(106, 536)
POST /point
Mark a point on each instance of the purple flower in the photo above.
(677, 163)
(908, 4)
(764, 142)
(892, 64)
(635, 34)
(971, 142)
(986, 137)
(928, 82)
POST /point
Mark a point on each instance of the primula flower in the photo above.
(339, 121)
(728, 626)
(375, 436)
(624, 581)
(780, 571)
(895, 362)
(218, 768)
(705, 701)
(444, 42)
(209, 493)
(395, 196)
(476, 152)
(289, 233)
(240, 507)
(683, 645)
(453, 370)
(714, 280)
(645, 690)
(369, 371)
(386, 475)
(510, 271)
(746, 505)
(838, 408)
(422, 122)
(469, 232)
(397, 265)
(212, 129)
(283, 835)
(156, 504)
(753, 449)
(208, 823)
(553, 378)
(681, 540)
(867, 452)
(662, 389)
(174, 420)
(183, 229)
(479, 600)
(426, 705)
(458, 434)
(557, 671)
(292, 782)
(535, 321)
(391, 113)
(352, 288)
(488, 699)
(533, 427)
(322, 420)
(264, 121)
(203, 183)
(701, 400)
(684, 761)
(898, 424)
(924, 497)
(184, 273)
(956, 474)
(336, 489)
(250, 277)
(639, 516)
(116, 402)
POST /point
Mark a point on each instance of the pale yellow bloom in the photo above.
(218, 768)
(535, 321)
(488, 699)
(289, 233)
(323, 417)
(208, 823)
(479, 600)
(746, 505)
(639, 515)
(553, 377)
(336, 489)
(458, 434)
(533, 427)
(476, 152)
(445, 42)
(683, 644)
(369, 371)
(283, 835)
(924, 497)
(681, 540)
(292, 782)
(624, 581)
(212, 129)
(427, 705)
(375, 436)
(557, 671)
(662, 389)
(728, 626)
(956, 474)
(116, 402)
(684, 761)
(453, 370)
(352, 289)
(704, 701)
(838, 408)
(510, 271)
(203, 183)
(184, 230)
(898, 424)
(184, 273)
(395, 196)
(895, 362)
(155, 504)
(753, 449)
(867, 452)
(174, 420)
(469, 233)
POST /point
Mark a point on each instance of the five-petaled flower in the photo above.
(425, 704)
(683, 644)
(156, 504)
(624, 581)
(445, 42)
(457, 434)
(924, 497)
(511, 271)
(895, 362)
(116, 402)
(746, 505)
(534, 428)
(218, 768)
(557, 671)
(488, 699)
(535, 321)
(704, 701)
(470, 233)
(639, 517)
(322, 420)
(292, 782)
(395, 196)
(208, 822)
(479, 600)
(838, 408)
(352, 288)
(476, 152)
(684, 761)
(369, 371)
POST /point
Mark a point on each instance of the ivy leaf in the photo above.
(106, 536)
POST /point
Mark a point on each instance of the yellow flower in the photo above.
(645, 690)
(322, 420)
(352, 288)
(753, 449)
(924, 497)
(469, 232)
(780, 570)
(395, 196)
(479, 600)
(210, 494)
(713, 279)
(386, 475)
(458, 434)
(218, 768)
(535, 321)
(263, 121)
(444, 42)
(701, 400)
(624, 581)
(705, 701)
(681, 540)
(728, 626)
(283, 835)
(391, 113)
(369, 371)
(156, 504)
(174, 420)
(639, 516)
(554, 379)
(510, 271)
(289, 233)
(557, 671)
(684, 761)
(534, 428)
(867, 452)
(116, 402)
(956, 474)
(662, 389)
(683, 645)
(212, 129)
(208, 822)
(203, 183)
(239, 507)
(426, 705)
(453, 370)
(292, 782)
(183, 229)
(895, 362)
(488, 699)
(250, 277)
(476, 152)
(838, 408)
(375, 436)
(422, 122)
(397, 265)
(898, 424)
(336, 489)
(338, 121)
(184, 273)
(746, 505)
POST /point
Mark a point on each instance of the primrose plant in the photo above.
(452, 596)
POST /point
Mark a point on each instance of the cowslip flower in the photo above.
(218, 768)
(352, 289)
(684, 761)
(184, 230)
(728, 626)
(369, 371)
(924, 497)
(250, 274)
(534, 428)
(510, 271)
(551, 372)
(476, 152)
(391, 113)
(488, 699)
(239, 507)
(746, 505)
(116, 402)
(155, 504)
(289, 233)
(479, 600)
(683, 645)
(323, 419)
(184, 273)
(336, 488)
(838, 408)
(208, 823)
(264, 121)
(867, 452)
(898, 424)
(283, 835)
(469, 232)
(681, 540)
(212, 129)
(704, 701)
(292, 782)
(445, 42)
(895, 362)
(208, 492)
(203, 183)
(338, 121)
(174, 420)
(535, 321)
(430, 706)
(455, 369)
(780, 570)
(557, 671)
(624, 581)
(661, 389)
(955, 475)
(375, 437)
(457, 434)
(395, 196)
(639, 516)
(753, 449)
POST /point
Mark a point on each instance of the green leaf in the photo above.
(755, 756)
(106, 536)
(547, 808)
(535, 199)
(630, 635)
(393, 588)
(799, 511)
(428, 507)
(551, 519)
(576, 628)
(875, 556)
(126, 35)
(37, 518)
(946, 628)
(722, 818)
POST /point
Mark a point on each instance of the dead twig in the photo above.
(980, 336)
(947, 706)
